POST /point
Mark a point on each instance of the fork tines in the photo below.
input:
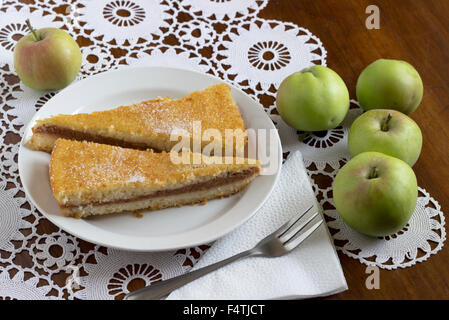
(291, 233)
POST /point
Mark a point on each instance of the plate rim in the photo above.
(218, 235)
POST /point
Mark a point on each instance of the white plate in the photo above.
(157, 230)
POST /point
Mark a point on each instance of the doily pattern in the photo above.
(124, 20)
(111, 273)
(423, 236)
(264, 52)
(400, 249)
(320, 148)
(220, 9)
(225, 38)
(14, 286)
(55, 251)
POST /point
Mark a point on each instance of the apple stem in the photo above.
(373, 173)
(32, 30)
(384, 126)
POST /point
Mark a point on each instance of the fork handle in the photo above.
(161, 289)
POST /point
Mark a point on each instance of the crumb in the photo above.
(137, 214)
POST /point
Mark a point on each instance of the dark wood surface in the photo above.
(413, 30)
(416, 31)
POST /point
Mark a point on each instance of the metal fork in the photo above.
(280, 242)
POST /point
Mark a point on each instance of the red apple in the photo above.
(47, 58)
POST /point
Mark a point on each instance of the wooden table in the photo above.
(413, 30)
(416, 31)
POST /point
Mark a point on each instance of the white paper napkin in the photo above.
(312, 269)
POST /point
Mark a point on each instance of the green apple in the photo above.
(389, 84)
(375, 194)
(47, 58)
(313, 99)
(387, 131)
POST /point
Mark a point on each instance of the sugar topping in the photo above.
(78, 166)
(214, 107)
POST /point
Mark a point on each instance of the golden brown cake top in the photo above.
(213, 106)
(83, 166)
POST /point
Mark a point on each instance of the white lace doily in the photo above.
(223, 38)
(14, 286)
(400, 249)
(124, 20)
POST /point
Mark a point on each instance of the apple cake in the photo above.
(149, 124)
(88, 178)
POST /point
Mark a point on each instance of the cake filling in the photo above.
(229, 178)
(70, 134)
